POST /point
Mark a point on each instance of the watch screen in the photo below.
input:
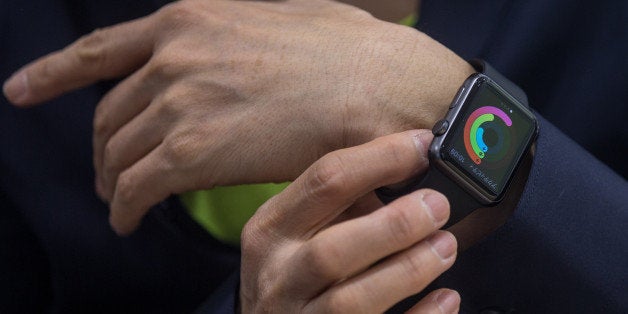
(489, 137)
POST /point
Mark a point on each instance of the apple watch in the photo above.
(478, 146)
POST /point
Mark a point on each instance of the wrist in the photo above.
(412, 90)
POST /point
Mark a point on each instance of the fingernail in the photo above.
(448, 301)
(443, 244)
(15, 87)
(436, 205)
(422, 140)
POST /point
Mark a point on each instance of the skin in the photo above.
(227, 92)
(311, 250)
(231, 92)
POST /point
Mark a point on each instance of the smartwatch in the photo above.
(478, 146)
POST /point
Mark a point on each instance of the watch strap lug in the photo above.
(512, 88)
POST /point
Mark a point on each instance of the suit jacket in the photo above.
(564, 250)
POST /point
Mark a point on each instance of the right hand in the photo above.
(326, 244)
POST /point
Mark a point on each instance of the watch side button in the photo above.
(440, 127)
(457, 98)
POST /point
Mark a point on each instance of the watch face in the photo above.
(488, 138)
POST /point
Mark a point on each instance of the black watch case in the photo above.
(483, 138)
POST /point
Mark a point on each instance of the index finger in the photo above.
(338, 179)
(104, 54)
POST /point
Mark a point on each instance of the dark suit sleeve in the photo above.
(564, 250)
(24, 270)
(224, 299)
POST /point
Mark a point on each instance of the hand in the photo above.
(323, 245)
(232, 92)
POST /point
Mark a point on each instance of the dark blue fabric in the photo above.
(568, 55)
(565, 248)
(71, 261)
(223, 299)
(563, 251)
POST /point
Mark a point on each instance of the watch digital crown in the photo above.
(495, 142)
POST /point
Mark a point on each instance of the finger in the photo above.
(117, 108)
(345, 249)
(391, 281)
(338, 179)
(149, 181)
(362, 207)
(133, 141)
(103, 54)
(441, 301)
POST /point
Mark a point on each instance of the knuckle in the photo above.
(253, 238)
(414, 267)
(271, 288)
(168, 103)
(182, 150)
(248, 237)
(90, 49)
(353, 12)
(110, 158)
(165, 65)
(322, 260)
(45, 71)
(261, 229)
(126, 188)
(328, 179)
(177, 14)
(402, 228)
(362, 14)
(102, 127)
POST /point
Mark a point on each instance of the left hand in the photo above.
(233, 92)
